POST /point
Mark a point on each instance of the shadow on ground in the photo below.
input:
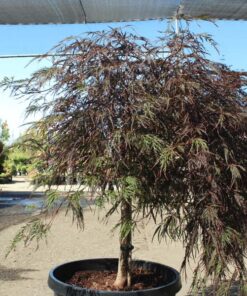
(14, 274)
(21, 194)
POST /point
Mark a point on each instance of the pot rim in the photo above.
(65, 285)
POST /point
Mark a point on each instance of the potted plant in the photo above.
(156, 131)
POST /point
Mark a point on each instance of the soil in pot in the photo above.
(104, 279)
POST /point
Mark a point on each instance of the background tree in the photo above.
(36, 145)
(4, 131)
(1, 147)
(18, 160)
(166, 126)
(4, 137)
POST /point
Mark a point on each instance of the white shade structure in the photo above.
(97, 11)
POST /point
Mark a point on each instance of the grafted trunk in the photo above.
(124, 264)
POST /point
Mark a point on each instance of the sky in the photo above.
(231, 37)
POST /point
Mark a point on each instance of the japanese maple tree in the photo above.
(165, 127)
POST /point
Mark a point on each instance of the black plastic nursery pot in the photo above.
(62, 273)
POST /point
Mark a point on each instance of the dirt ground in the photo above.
(25, 271)
(22, 185)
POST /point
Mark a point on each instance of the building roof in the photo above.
(96, 11)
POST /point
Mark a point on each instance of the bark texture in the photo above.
(124, 265)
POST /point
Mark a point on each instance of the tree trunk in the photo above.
(124, 269)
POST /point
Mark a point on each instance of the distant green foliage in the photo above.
(17, 161)
(4, 137)
(4, 131)
(5, 178)
(1, 147)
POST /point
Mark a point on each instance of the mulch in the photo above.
(104, 280)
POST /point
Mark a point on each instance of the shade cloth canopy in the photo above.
(96, 11)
